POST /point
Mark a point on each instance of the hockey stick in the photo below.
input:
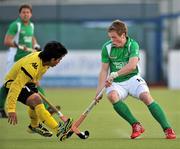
(87, 111)
(79, 121)
(24, 48)
(61, 116)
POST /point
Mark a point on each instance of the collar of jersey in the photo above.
(127, 42)
(20, 20)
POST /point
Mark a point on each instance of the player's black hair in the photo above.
(28, 6)
(52, 49)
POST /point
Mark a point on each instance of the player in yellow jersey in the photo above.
(20, 86)
(20, 32)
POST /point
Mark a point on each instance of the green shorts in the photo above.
(3, 95)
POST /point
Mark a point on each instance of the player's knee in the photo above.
(33, 100)
(146, 98)
(113, 96)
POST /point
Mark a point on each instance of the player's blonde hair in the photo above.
(119, 27)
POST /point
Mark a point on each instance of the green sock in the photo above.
(3, 95)
(159, 115)
(122, 109)
(41, 90)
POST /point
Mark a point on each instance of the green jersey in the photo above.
(23, 35)
(119, 57)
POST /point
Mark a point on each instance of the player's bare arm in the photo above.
(128, 68)
(34, 41)
(9, 41)
(102, 77)
(35, 44)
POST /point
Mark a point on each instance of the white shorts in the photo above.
(134, 87)
(10, 58)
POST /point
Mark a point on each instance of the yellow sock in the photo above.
(46, 117)
(34, 118)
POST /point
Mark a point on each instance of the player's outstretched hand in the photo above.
(22, 47)
(98, 98)
(52, 111)
(12, 118)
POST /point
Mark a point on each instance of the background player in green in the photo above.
(20, 31)
(121, 56)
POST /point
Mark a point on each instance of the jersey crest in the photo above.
(35, 65)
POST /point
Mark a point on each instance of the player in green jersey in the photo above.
(120, 55)
(20, 31)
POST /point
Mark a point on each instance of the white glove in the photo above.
(114, 75)
(37, 47)
(110, 79)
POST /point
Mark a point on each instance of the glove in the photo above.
(37, 47)
(113, 75)
(98, 98)
(110, 79)
(52, 111)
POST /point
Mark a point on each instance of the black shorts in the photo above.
(27, 90)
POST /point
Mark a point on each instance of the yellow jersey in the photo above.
(26, 70)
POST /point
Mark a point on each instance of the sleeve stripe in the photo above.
(26, 73)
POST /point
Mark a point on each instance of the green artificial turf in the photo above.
(107, 129)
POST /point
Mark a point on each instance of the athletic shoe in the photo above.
(170, 134)
(64, 127)
(40, 130)
(137, 130)
(3, 114)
